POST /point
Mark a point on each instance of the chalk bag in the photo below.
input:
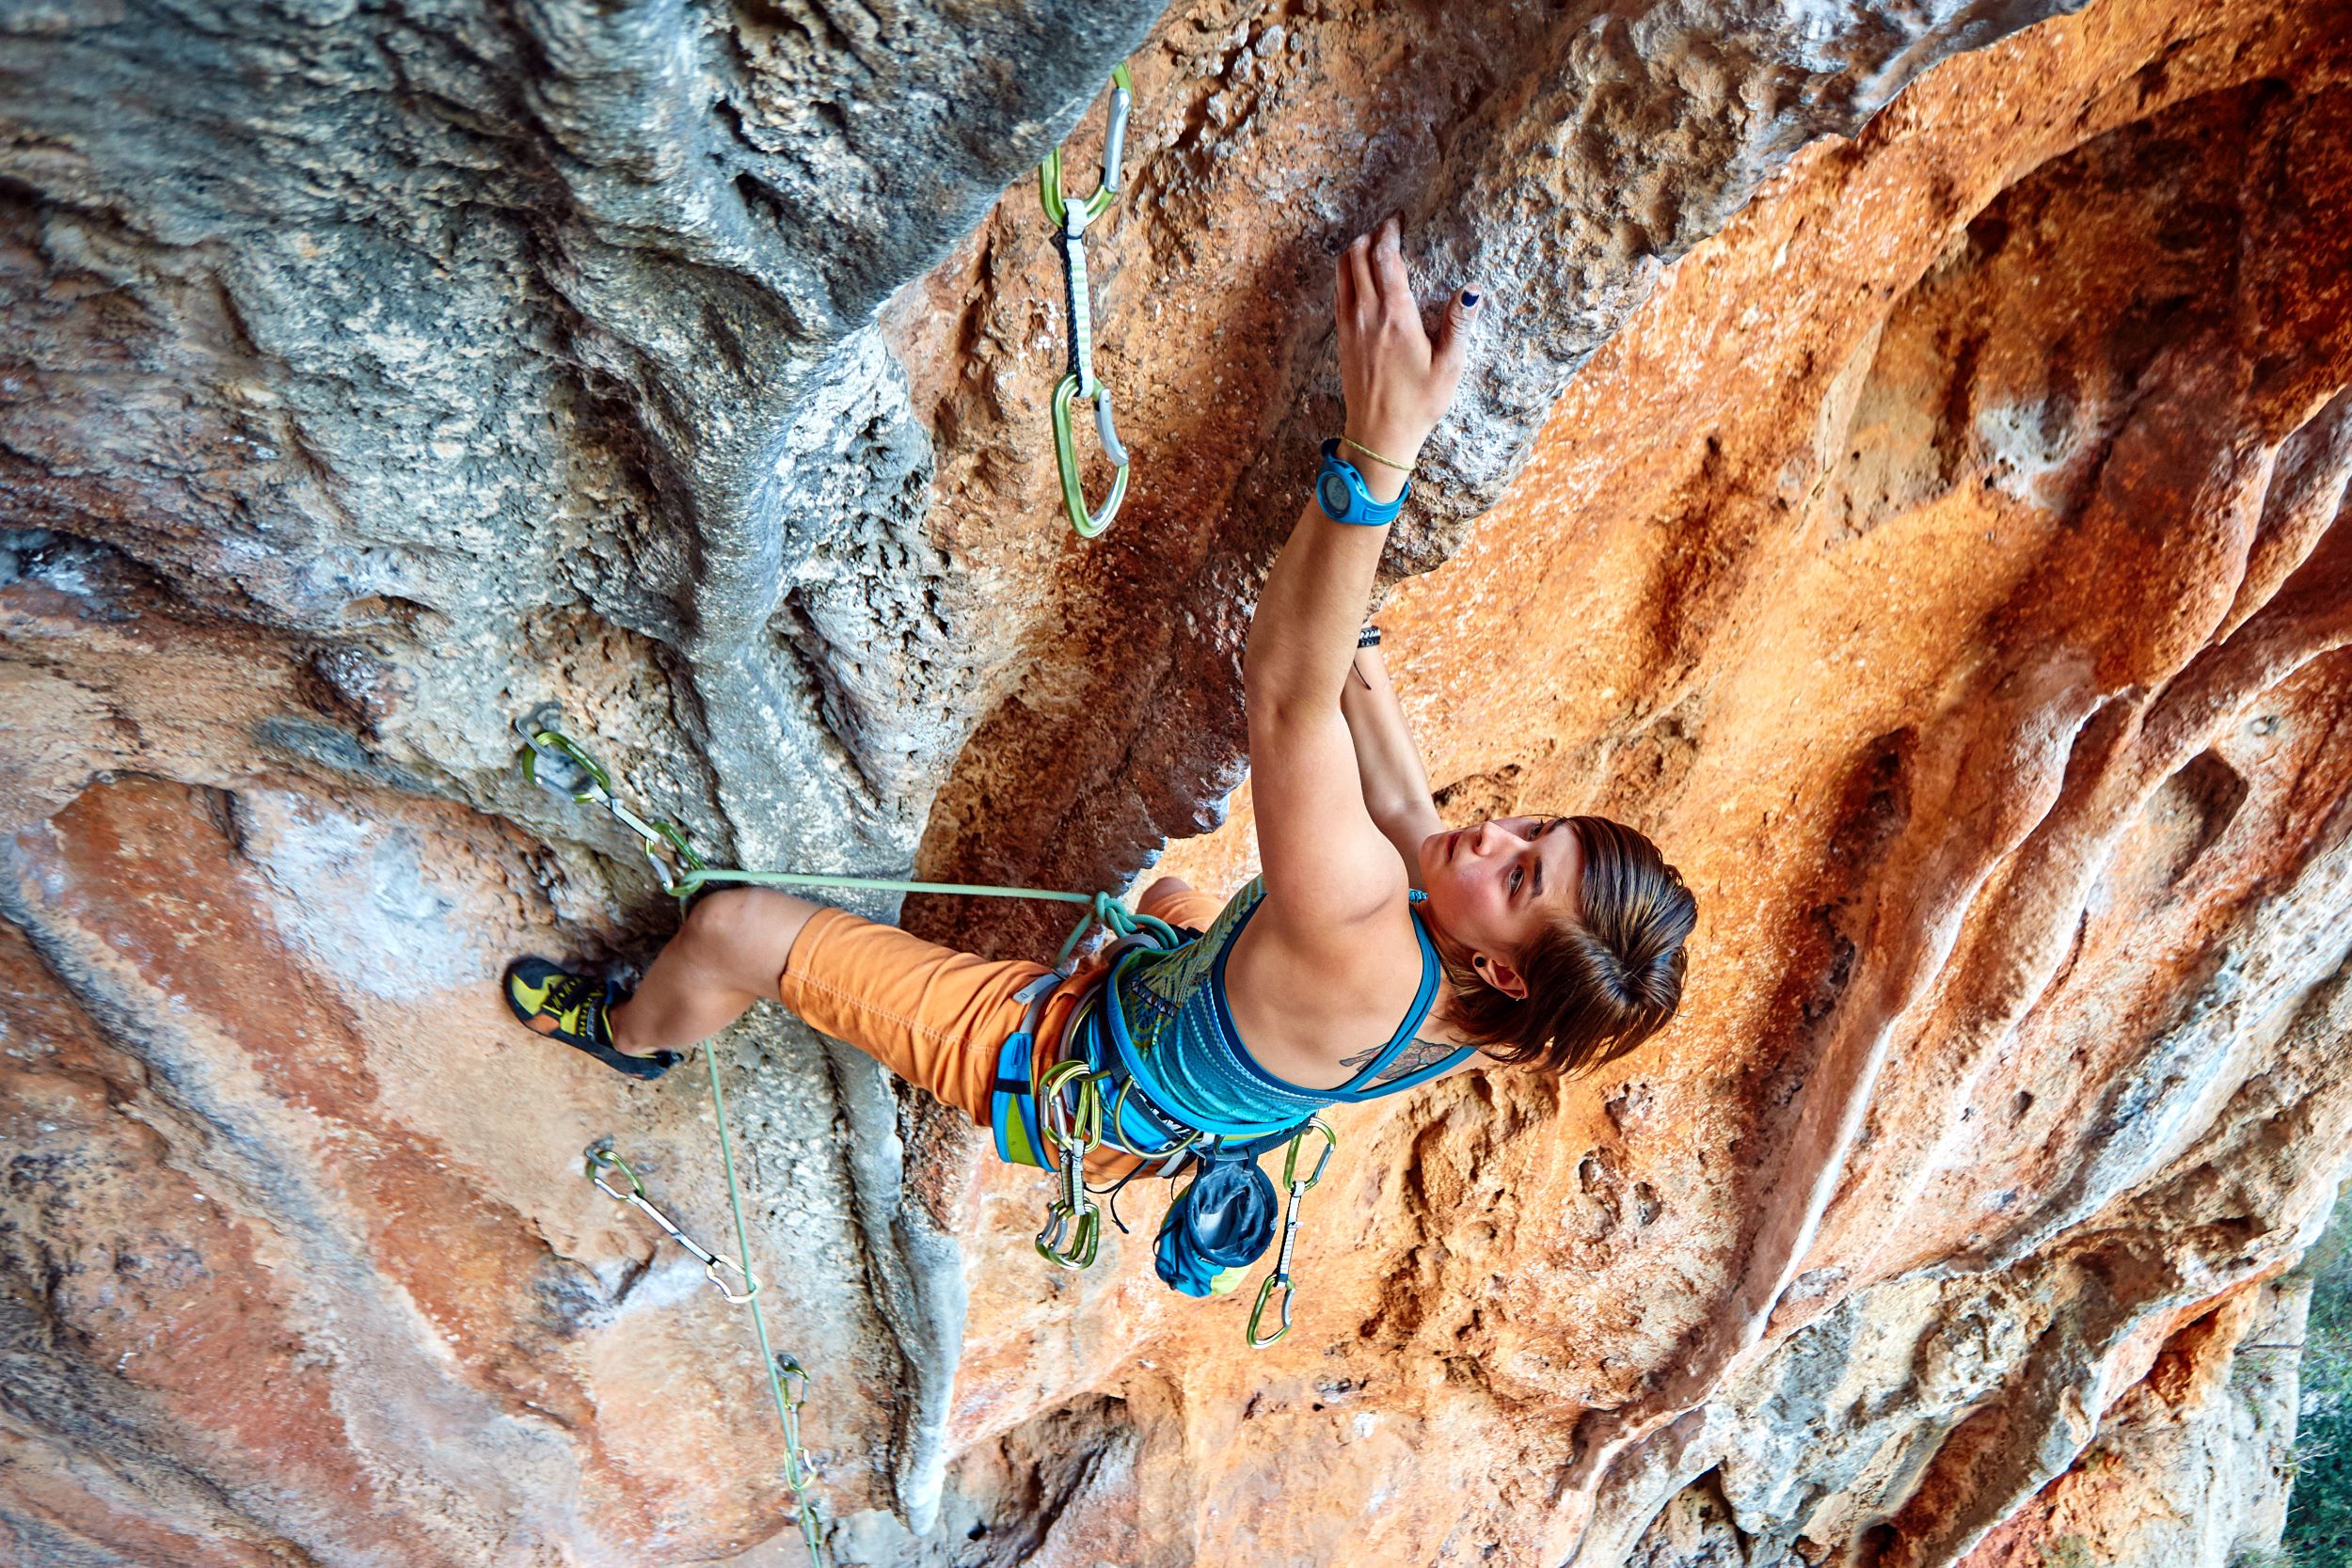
(1220, 1225)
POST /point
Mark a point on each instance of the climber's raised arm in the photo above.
(1395, 782)
(1327, 866)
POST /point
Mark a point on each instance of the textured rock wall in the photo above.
(1938, 559)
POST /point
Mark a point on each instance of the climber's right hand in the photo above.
(1398, 383)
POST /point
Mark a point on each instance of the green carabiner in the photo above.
(554, 762)
(1089, 524)
(1282, 1274)
(1068, 1242)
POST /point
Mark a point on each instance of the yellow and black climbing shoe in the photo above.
(570, 1007)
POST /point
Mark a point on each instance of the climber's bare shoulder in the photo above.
(1305, 1007)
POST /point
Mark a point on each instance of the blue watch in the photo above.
(1340, 491)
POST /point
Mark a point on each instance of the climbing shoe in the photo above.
(570, 1007)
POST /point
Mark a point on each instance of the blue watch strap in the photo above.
(1340, 493)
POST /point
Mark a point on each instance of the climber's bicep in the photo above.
(1326, 866)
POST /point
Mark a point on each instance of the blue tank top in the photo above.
(1162, 1021)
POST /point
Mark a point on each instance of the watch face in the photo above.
(1333, 493)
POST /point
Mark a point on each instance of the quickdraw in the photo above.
(788, 1380)
(601, 1158)
(1072, 217)
(557, 763)
(1282, 1274)
(1073, 1226)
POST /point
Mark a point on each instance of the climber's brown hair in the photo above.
(1600, 982)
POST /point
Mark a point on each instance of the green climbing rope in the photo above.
(1103, 909)
(781, 1371)
(555, 762)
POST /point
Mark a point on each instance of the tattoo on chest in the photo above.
(1412, 1059)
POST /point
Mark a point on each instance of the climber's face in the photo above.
(1494, 885)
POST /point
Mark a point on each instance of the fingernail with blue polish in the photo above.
(1469, 299)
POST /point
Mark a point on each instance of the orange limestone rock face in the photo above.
(1902, 473)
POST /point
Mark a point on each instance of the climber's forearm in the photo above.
(1395, 385)
(1326, 863)
(1395, 782)
(1302, 637)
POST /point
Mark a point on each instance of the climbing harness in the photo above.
(1282, 1274)
(1072, 217)
(1012, 1104)
(1218, 1226)
(601, 1159)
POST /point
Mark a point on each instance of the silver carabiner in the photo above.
(1280, 1278)
(1058, 206)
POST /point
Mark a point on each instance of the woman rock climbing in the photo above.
(1375, 950)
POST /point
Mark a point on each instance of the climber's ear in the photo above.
(1498, 972)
